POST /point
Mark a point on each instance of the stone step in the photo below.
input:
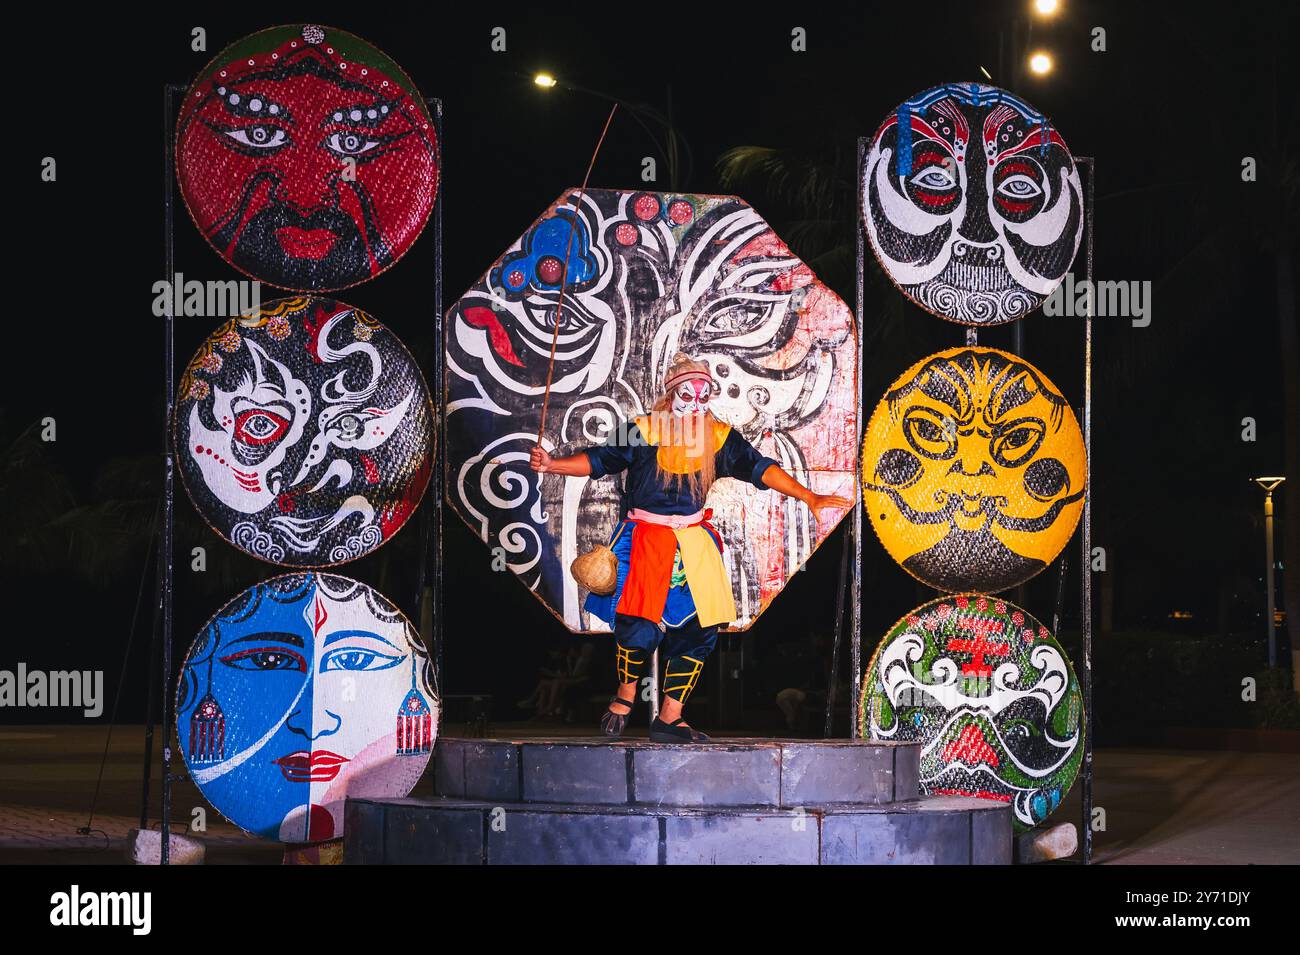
(934, 830)
(718, 774)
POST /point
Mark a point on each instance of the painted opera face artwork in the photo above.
(307, 158)
(973, 470)
(972, 203)
(650, 274)
(300, 692)
(304, 432)
(990, 695)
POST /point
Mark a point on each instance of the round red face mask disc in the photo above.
(307, 158)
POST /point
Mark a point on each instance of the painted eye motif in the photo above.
(550, 317)
(928, 430)
(935, 184)
(1017, 441)
(928, 434)
(934, 177)
(730, 319)
(571, 320)
(348, 426)
(358, 659)
(263, 136)
(1021, 730)
(349, 143)
(257, 427)
(1020, 187)
(266, 658)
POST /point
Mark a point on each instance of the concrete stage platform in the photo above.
(730, 801)
(1182, 807)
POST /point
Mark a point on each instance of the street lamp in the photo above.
(674, 150)
(1040, 63)
(1268, 484)
(1046, 8)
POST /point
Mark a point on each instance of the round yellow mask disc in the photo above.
(973, 470)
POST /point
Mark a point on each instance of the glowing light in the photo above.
(1040, 63)
(1046, 8)
(544, 80)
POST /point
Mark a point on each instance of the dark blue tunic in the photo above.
(628, 450)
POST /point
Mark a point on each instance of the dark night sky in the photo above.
(1168, 112)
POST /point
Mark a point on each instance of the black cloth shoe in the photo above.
(612, 724)
(675, 732)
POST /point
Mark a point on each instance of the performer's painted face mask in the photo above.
(691, 397)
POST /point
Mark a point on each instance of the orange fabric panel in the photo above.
(650, 571)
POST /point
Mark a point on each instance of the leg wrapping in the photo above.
(629, 662)
(680, 677)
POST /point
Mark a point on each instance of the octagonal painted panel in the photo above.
(650, 274)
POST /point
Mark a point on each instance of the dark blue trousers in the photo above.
(686, 647)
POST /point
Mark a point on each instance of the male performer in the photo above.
(672, 586)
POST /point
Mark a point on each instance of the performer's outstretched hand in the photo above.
(778, 479)
(833, 501)
(539, 459)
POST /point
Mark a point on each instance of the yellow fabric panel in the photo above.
(706, 576)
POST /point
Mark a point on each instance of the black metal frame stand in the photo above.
(167, 527)
(428, 598)
(1084, 668)
(1085, 561)
(855, 528)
